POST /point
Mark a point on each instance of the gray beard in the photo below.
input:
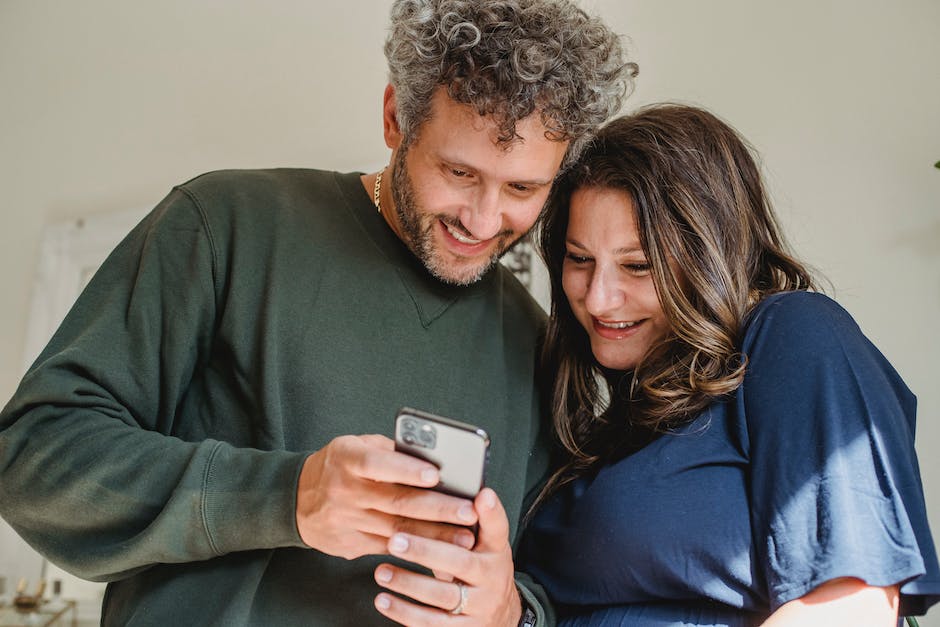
(418, 236)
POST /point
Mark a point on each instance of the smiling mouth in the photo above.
(614, 325)
(460, 236)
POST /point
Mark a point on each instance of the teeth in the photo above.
(616, 325)
(463, 239)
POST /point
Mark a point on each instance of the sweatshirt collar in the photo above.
(431, 296)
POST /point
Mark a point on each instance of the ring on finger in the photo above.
(462, 604)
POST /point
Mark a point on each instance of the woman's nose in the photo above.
(604, 294)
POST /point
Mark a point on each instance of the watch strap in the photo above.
(528, 616)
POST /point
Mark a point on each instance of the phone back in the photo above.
(458, 450)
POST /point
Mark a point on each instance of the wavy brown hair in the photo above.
(700, 203)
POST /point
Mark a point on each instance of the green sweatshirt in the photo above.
(251, 318)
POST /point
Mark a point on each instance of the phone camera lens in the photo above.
(408, 438)
(409, 425)
(427, 436)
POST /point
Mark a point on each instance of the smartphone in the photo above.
(459, 450)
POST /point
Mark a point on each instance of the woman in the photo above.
(733, 450)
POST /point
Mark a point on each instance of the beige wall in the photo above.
(104, 104)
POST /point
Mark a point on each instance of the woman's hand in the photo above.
(483, 589)
(845, 601)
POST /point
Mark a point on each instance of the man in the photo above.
(186, 434)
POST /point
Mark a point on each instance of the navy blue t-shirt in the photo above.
(805, 474)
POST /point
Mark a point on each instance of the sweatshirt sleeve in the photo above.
(91, 473)
(534, 595)
(537, 473)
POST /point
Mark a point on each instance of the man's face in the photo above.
(461, 200)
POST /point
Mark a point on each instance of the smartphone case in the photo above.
(458, 449)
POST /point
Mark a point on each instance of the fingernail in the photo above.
(383, 575)
(464, 539)
(429, 476)
(383, 602)
(398, 543)
(489, 499)
(465, 513)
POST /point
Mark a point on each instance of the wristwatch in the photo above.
(528, 616)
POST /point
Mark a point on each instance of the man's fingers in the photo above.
(379, 441)
(451, 534)
(371, 457)
(355, 545)
(493, 534)
(420, 504)
(385, 525)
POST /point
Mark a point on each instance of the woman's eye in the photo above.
(458, 173)
(637, 268)
(577, 259)
(519, 187)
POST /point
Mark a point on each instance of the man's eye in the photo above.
(459, 173)
(519, 187)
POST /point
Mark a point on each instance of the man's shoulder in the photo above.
(280, 196)
(255, 212)
(235, 182)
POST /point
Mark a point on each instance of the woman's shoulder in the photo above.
(801, 334)
(799, 316)
(796, 305)
(804, 335)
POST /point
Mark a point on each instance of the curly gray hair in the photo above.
(508, 59)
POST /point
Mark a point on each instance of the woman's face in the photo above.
(607, 279)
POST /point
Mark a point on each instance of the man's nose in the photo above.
(482, 216)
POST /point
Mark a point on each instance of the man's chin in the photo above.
(462, 274)
(453, 269)
(461, 279)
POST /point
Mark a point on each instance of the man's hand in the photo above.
(356, 492)
(483, 590)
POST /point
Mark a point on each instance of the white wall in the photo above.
(105, 104)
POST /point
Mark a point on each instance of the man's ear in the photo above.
(393, 136)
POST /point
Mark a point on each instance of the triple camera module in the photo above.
(418, 433)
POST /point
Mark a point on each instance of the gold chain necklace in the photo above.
(377, 190)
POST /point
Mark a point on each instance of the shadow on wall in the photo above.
(923, 241)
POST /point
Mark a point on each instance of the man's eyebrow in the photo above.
(460, 165)
(536, 182)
